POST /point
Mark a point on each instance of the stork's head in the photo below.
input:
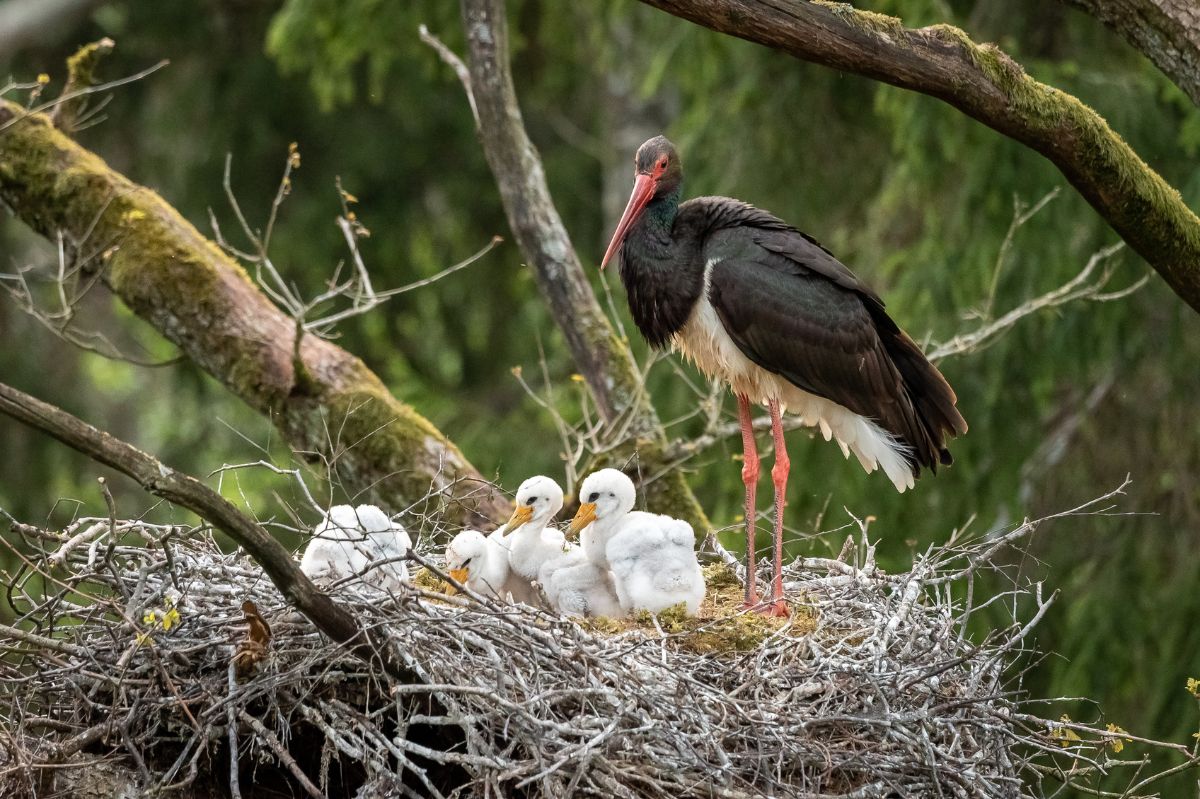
(465, 555)
(656, 173)
(538, 499)
(606, 494)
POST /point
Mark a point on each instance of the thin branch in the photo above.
(1077, 288)
(451, 59)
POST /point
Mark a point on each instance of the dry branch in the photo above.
(984, 83)
(601, 356)
(337, 411)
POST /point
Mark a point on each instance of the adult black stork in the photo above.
(757, 303)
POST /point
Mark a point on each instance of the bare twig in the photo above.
(1077, 288)
(452, 60)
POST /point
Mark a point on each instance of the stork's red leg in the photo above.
(779, 475)
(750, 479)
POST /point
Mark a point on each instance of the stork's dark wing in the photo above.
(795, 310)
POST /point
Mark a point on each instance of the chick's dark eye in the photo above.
(531, 501)
(595, 495)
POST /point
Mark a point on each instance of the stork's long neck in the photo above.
(525, 540)
(663, 274)
(594, 538)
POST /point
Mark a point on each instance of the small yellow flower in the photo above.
(150, 617)
(294, 155)
(1064, 735)
(1117, 744)
(143, 639)
(43, 79)
(578, 378)
(1193, 687)
(170, 619)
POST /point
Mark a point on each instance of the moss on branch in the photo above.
(205, 303)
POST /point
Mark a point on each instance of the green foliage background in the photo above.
(914, 196)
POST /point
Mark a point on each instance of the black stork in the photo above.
(764, 307)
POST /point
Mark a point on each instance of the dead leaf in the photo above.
(253, 648)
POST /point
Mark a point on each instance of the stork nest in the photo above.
(133, 657)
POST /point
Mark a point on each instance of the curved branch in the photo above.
(188, 492)
(1165, 31)
(602, 358)
(984, 83)
(335, 410)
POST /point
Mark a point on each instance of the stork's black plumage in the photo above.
(758, 303)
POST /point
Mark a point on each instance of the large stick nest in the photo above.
(874, 687)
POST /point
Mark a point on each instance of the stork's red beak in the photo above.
(643, 190)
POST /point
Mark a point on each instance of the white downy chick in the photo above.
(531, 542)
(349, 540)
(607, 498)
(577, 587)
(477, 561)
(654, 565)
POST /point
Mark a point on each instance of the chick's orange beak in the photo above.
(459, 576)
(520, 516)
(583, 517)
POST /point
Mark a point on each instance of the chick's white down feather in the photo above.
(654, 565)
(576, 586)
(349, 540)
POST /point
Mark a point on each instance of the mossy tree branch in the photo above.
(1165, 31)
(984, 83)
(602, 358)
(169, 274)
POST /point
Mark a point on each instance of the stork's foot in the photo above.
(777, 609)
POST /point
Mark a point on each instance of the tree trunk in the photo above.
(337, 411)
(1165, 31)
(984, 83)
(602, 358)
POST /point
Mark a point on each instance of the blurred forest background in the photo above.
(914, 196)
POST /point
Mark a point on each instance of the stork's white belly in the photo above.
(704, 341)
